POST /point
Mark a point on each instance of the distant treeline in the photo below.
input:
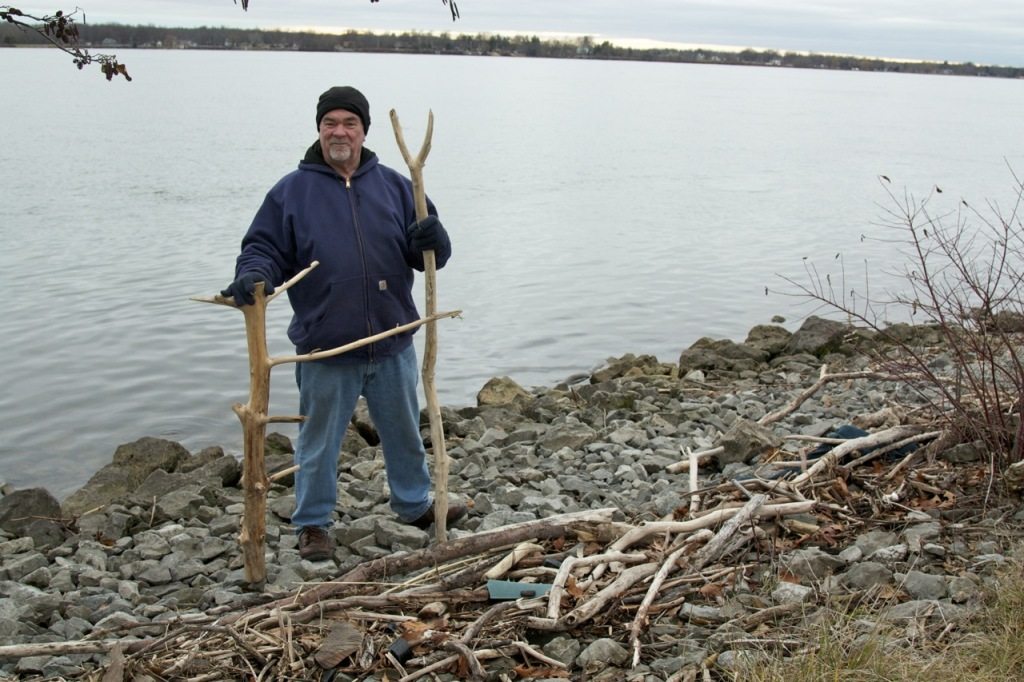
(112, 36)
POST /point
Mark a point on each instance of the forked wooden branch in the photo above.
(823, 378)
(430, 345)
(254, 418)
(641, 619)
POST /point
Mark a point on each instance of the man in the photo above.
(344, 208)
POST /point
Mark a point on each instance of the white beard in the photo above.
(339, 153)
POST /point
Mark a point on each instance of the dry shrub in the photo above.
(963, 280)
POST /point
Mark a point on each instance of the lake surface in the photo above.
(596, 208)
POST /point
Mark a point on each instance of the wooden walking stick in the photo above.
(430, 348)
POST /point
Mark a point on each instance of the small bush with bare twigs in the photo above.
(963, 275)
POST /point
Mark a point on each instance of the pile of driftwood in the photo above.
(482, 605)
(459, 605)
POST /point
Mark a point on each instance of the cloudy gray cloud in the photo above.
(982, 31)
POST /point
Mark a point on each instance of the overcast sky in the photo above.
(981, 31)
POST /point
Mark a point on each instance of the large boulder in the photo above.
(817, 336)
(501, 391)
(132, 464)
(769, 338)
(628, 364)
(720, 354)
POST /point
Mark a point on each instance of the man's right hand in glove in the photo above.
(241, 289)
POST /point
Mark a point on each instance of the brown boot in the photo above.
(456, 511)
(314, 544)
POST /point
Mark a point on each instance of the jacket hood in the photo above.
(315, 155)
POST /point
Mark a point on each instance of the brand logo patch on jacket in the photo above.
(382, 285)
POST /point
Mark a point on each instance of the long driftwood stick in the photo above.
(401, 564)
(320, 354)
(430, 347)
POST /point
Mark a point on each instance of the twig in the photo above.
(641, 620)
(476, 672)
(694, 482)
(702, 457)
(889, 475)
(613, 590)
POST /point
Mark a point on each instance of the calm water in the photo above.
(595, 209)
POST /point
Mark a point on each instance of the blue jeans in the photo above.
(327, 398)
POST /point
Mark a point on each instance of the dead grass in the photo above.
(850, 647)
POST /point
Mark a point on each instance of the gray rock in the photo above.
(930, 609)
(720, 354)
(21, 507)
(45, 533)
(964, 589)
(810, 564)
(924, 586)
(16, 546)
(398, 535)
(600, 653)
(179, 504)
(865, 575)
(817, 336)
(745, 441)
(790, 593)
(17, 567)
(563, 648)
(872, 541)
(572, 435)
(769, 338)
(889, 555)
(501, 391)
(918, 535)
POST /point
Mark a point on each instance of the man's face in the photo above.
(341, 137)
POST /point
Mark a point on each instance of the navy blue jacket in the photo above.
(357, 230)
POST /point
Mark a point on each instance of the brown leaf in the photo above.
(711, 591)
(787, 577)
(573, 588)
(343, 640)
(840, 486)
(412, 630)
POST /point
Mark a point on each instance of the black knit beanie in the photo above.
(347, 98)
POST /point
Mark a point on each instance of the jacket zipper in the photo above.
(362, 257)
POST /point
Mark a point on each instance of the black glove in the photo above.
(426, 234)
(241, 289)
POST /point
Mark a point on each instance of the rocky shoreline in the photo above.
(151, 539)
